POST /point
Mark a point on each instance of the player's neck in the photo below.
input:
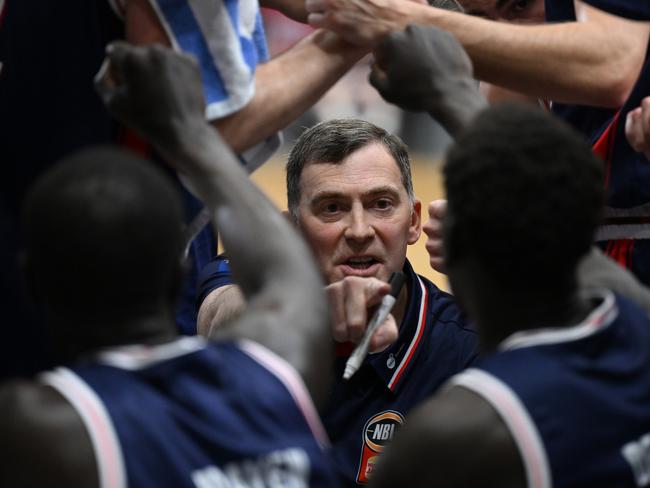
(519, 310)
(75, 341)
(399, 310)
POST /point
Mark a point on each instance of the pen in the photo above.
(358, 355)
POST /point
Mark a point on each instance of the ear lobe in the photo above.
(415, 226)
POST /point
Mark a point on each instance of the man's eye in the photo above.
(383, 204)
(520, 5)
(331, 208)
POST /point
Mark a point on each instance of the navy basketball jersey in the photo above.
(188, 414)
(576, 400)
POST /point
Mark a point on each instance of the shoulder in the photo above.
(467, 442)
(37, 423)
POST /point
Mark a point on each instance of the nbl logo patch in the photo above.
(377, 433)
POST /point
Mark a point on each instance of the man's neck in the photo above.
(516, 312)
(147, 329)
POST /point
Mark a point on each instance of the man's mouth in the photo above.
(362, 266)
(361, 263)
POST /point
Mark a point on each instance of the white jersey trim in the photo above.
(106, 445)
(139, 356)
(416, 337)
(601, 317)
(516, 418)
(289, 377)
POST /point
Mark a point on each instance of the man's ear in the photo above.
(415, 226)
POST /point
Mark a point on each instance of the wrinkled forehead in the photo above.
(368, 166)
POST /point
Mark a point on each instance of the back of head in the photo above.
(525, 195)
(103, 238)
(334, 140)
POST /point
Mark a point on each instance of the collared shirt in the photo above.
(435, 342)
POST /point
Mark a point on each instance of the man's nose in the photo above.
(359, 226)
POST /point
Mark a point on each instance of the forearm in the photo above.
(286, 86)
(595, 61)
(455, 113)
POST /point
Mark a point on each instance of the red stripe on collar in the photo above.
(416, 338)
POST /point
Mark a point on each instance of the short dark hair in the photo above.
(334, 140)
(525, 194)
(103, 237)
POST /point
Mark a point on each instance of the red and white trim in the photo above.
(108, 453)
(516, 418)
(417, 337)
(289, 377)
(601, 317)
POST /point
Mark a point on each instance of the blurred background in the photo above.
(353, 97)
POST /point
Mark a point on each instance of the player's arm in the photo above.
(285, 87)
(159, 94)
(637, 128)
(594, 61)
(294, 9)
(44, 441)
(453, 439)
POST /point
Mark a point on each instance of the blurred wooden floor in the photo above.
(427, 185)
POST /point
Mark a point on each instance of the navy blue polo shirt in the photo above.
(435, 342)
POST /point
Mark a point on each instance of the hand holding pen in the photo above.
(388, 301)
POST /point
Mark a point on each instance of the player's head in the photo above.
(103, 242)
(521, 11)
(350, 191)
(525, 194)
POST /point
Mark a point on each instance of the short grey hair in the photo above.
(334, 140)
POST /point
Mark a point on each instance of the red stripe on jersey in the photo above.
(621, 251)
(604, 146)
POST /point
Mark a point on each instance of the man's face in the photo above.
(521, 11)
(356, 215)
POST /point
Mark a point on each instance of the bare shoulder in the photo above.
(40, 428)
(456, 438)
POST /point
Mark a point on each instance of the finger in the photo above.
(386, 334)
(355, 308)
(317, 20)
(633, 129)
(438, 208)
(315, 6)
(645, 122)
(337, 312)
(433, 228)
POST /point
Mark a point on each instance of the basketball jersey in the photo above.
(193, 414)
(576, 400)
(625, 237)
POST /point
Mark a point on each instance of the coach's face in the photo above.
(523, 11)
(356, 215)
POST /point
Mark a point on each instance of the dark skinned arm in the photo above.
(454, 439)
(44, 441)
(160, 96)
(436, 70)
